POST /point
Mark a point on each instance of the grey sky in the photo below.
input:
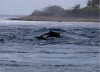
(22, 7)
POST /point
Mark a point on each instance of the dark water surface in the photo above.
(76, 51)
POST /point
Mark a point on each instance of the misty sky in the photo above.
(25, 7)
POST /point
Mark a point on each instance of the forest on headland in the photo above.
(91, 10)
(57, 13)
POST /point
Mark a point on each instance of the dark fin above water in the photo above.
(49, 35)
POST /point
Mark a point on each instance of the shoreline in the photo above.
(59, 19)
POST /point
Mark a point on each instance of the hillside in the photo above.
(90, 13)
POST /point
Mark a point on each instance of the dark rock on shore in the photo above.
(15, 19)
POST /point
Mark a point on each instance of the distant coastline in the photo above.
(58, 19)
(90, 13)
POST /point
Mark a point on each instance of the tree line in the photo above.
(91, 10)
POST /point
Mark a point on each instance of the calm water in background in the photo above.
(76, 51)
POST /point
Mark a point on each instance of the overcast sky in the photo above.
(25, 7)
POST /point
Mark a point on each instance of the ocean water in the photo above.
(76, 51)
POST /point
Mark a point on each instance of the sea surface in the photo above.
(76, 51)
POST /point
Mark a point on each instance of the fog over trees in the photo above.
(50, 11)
(91, 10)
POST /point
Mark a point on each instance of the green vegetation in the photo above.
(93, 3)
(92, 10)
(90, 13)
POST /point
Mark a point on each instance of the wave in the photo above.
(27, 34)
